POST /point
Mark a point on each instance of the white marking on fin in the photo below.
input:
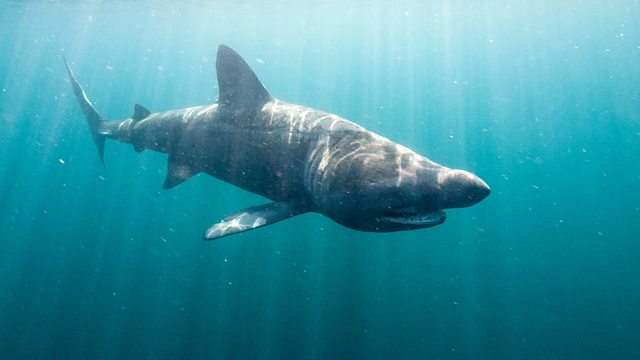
(252, 218)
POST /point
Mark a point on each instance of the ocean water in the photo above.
(539, 98)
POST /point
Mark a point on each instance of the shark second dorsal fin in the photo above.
(240, 88)
(140, 112)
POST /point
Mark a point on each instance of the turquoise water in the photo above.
(539, 98)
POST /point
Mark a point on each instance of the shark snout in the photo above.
(461, 188)
(478, 189)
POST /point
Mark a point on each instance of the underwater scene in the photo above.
(421, 179)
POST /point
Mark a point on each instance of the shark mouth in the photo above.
(410, 218)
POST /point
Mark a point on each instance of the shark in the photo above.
(301, 159)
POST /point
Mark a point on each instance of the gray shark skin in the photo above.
(302, 159)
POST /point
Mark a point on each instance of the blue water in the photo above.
(539, 98)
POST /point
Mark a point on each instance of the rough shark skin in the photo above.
(302, 159)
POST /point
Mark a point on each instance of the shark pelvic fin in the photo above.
(240, 89)
(253, 218)
(140, 112)
(177, 173)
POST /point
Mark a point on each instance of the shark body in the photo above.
(302, 159)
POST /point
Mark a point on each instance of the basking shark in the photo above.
(302, 159)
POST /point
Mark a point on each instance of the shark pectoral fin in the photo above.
(253, 218)
(177, 173)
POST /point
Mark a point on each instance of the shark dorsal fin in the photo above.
(240, 88)
(140, 112)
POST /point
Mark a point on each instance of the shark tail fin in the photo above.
(94, 119)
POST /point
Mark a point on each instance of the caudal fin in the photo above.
(94, 119)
